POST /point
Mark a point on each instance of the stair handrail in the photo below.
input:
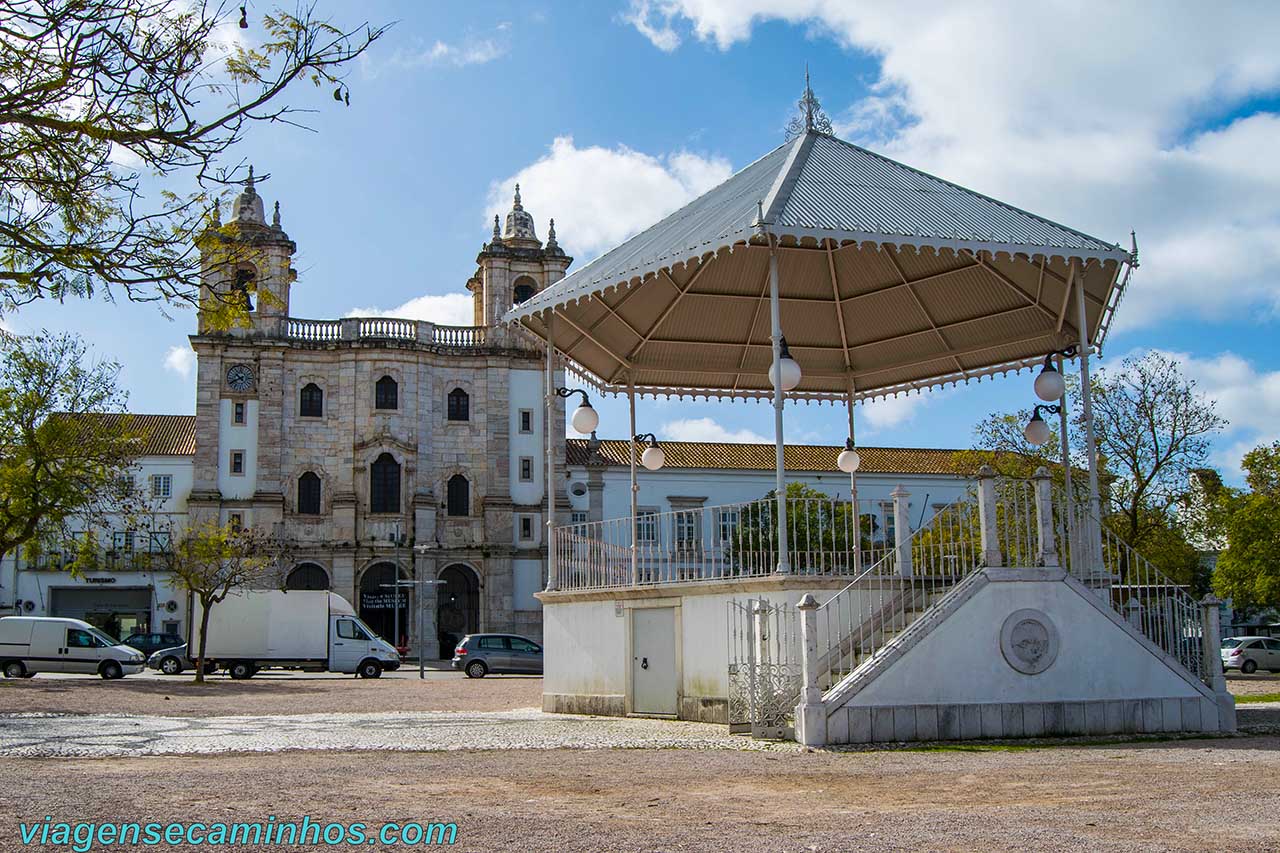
(858, 620)
(1151, 602)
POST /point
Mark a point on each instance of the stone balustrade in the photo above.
(388, 329)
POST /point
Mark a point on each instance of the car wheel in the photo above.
(476, 669)
(1249, 667)
(15, 669)
(171, 666)
(240, 670)
(370, 669)
(111, 671)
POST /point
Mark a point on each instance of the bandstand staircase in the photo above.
(874, 618)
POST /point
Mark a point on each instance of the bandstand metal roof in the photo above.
(890, 279)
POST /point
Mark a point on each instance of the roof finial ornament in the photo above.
(516, 205)
(497, 233)
(275, 216)
(813, 119)
(216, 213)
(248, 185)
(551, 235)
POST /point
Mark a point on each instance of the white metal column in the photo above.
(853, 497)
(635, 487)
(551, 456)
(775, 320)
(1093, 530)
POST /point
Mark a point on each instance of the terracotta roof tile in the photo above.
(798, 457)
(165, 435)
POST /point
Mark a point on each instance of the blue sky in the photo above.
(611, 115)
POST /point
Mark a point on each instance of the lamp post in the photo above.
(584, 420)
(1037, 431)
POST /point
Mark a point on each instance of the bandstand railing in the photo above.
(719, 543)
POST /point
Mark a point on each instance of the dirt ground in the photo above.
(1171, 795)
(274, 694)
(1253, 685)
(289, 693)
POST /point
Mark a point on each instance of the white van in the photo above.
(31, 644)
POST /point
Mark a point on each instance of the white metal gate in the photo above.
(764, 668)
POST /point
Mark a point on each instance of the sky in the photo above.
(1157, 117)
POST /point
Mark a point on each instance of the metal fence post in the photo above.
(991, 556)
(1048, 553)
(811, 716)
(902, 529)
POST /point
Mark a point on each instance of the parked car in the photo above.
(1250, 654)
(480, 654)
(148, 643)
(31, 644)
(173, 661)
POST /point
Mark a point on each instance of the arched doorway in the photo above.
(307, 576)
(379, 603)
(459, 606)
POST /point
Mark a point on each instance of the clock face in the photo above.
(240, 377)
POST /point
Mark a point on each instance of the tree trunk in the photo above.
(204, 635)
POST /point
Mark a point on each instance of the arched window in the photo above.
(459, 502)
(384, 484)
(309, 494)
(307, 576)
(385, 394)
(524, 289)
(311, 402)
(459, 405)
(246, 277)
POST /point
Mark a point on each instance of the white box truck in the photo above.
(31, 644)
(295, 629)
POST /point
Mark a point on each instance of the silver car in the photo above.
(480, 654)
(173, 661)
(1250, 654)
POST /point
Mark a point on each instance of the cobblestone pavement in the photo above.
(102, 735)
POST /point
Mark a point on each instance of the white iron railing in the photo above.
(881, 602)
(1154, 604)
(717, 543)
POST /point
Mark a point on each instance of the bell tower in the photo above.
(514, 264)
(246, 268)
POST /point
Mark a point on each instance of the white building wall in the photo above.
(237, 437)
(525, 392)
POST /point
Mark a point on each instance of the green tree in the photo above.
(819, 532)
(212, 561)
(65, 439)
(102, 98)
(1248, 571)
(1153, 429)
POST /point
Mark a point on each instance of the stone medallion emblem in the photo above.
(1029, 641)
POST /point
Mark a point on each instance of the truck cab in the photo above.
(353, 647)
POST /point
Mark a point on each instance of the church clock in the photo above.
(240, 378)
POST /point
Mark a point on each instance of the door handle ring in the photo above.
(644, 663)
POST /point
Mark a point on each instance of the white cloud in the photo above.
(1104, 132)
(708, 429)
(180, 360)
(449, 309)
(644, 15)
(889, 412)
(471, 50)
(1247, 397)
(601, 196)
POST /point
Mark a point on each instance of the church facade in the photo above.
(384, 450)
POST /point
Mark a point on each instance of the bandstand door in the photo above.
(653, 660)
